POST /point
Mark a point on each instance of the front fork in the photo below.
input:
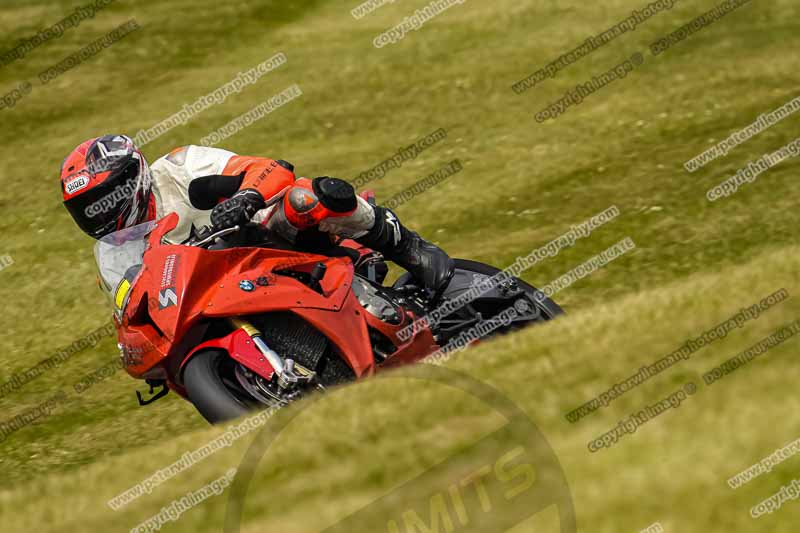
(289, 374)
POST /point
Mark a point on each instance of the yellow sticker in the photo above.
(122, 291)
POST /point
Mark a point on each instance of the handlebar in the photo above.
(204, 241)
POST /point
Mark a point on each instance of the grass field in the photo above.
(524, 183)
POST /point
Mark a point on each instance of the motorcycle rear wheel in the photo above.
(488, 305)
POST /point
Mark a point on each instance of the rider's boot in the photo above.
(425, 261)
(333, 205)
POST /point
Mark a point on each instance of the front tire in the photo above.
(210, 384)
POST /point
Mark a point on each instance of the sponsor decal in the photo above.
(76, 184)
(168, 296)
(168, 274)
(267, 171)
(133, 355)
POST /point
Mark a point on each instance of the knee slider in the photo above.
(335, 194)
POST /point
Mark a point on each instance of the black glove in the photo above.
(237, 210)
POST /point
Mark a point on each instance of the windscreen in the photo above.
(119, 257)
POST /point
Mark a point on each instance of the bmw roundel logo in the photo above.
(247, 285)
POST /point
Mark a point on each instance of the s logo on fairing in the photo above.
(167, 298)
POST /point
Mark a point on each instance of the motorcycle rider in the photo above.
(107, 186)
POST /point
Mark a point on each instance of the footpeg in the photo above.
(153, 383)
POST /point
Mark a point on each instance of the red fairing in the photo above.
(181, 290)
(241, 348)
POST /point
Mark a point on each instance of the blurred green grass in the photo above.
(523, 184)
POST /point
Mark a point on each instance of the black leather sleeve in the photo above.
(205, 192)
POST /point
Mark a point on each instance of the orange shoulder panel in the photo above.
(265, 175)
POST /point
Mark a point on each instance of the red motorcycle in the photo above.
(240, 320)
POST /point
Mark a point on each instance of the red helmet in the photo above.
(106, 185)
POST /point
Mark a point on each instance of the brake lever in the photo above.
(202, 233)
(211, 237)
